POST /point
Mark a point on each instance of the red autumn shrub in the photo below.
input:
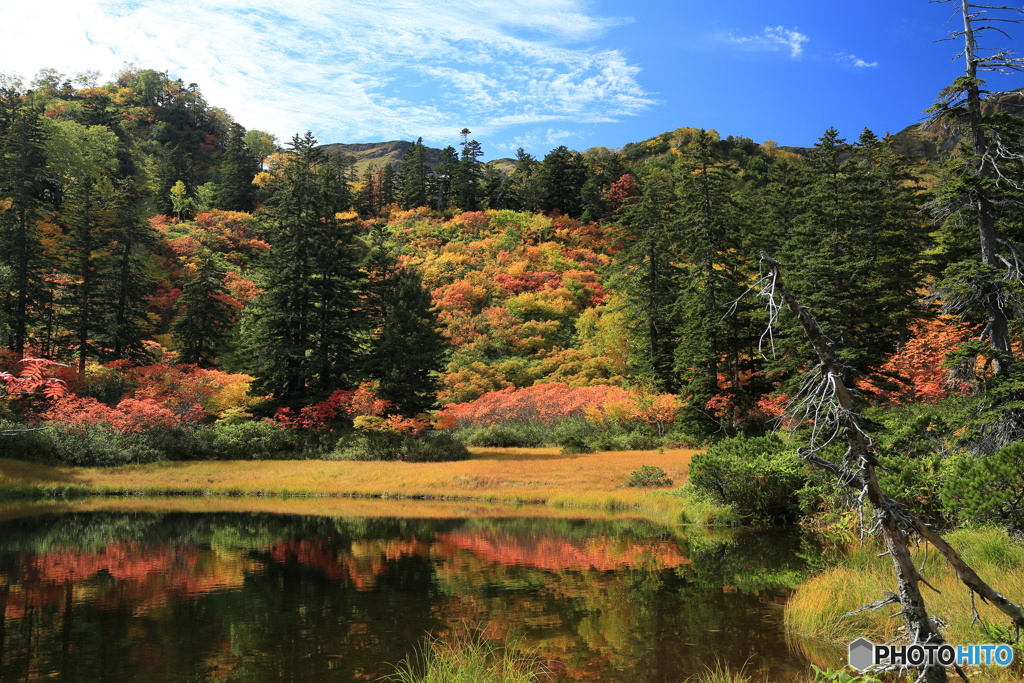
(552, 402)
(137, 414)
(363, 402)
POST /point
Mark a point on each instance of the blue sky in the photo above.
(530, 73)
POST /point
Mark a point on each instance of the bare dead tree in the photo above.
(961, 103)
(828, 405)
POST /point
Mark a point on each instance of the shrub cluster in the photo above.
(430, 446)
(760, 477)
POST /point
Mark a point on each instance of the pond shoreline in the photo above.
(534, 477)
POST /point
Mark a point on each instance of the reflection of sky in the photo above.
(535, 73)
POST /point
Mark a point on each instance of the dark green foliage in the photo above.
(467, 189)
(253, 440)
(649, 476)
(911, 443)
(760, 477)
(80, 446)
(234, 189)
(205, 319)
(524, 188)
(706, 239)
(127, 282)
(23, 179)
(405, 349)
(430, 446)
(561, 177)
(603, 169)
(645, 274)
(853, 252)
(573, 436)
(442, 181)
(411, 179)
(507, 435)
(987, 488)
(308, 321)
(99, 446)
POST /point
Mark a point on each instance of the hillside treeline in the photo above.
(141, 227)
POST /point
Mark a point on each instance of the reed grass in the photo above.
(723, 673)
(818, 607)
(468, 657)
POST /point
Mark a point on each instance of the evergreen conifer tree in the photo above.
(308, 322)
(24, 182)
(205, 318)
(405, 348)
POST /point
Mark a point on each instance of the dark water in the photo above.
(177, 597)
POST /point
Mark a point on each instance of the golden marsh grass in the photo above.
(513, 476)
(817, 608)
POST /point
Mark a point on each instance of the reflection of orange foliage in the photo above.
(557, 552)
(144, 574)
(366, 561)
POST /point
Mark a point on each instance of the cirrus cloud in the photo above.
(350, 70)
(772, 38)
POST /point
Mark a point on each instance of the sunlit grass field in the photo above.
(540, 476)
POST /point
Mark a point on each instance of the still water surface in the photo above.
(123, 596)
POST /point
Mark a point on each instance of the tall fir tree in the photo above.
(308, 318)
(234, 190)
(711, 344)
(205, 317)
(411, 179)
(466, 187)
(443, 179)
(25, 190)
(406, 348)
(645, 272)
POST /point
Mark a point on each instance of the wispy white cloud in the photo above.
(538, 138)
(349, 69)
(772, 38)
(855, 61)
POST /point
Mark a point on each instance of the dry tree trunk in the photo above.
(897, 525)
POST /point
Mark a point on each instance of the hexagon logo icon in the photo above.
(862, 654)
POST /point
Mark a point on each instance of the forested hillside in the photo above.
(155, 252)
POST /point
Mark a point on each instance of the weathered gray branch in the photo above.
(896, 523)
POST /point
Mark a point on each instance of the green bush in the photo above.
(431, 446)
(987, 488)
(649, 476)
(509, 435)
(910, 441)
(251, 440)
(94, 446)
(759, 477)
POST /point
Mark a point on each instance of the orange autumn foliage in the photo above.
(555, 401)
(916, 372)
(136, 414)
(36, 376)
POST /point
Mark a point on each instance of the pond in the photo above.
(110, 593)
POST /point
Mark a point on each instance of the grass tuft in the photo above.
(466, 656)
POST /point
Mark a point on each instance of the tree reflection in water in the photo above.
(175, 596)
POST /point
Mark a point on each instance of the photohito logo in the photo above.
(864, 654)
